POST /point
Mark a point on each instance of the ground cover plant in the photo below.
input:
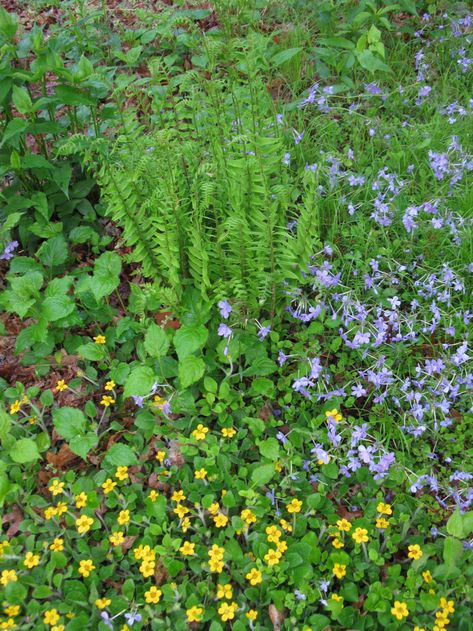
(235, 316)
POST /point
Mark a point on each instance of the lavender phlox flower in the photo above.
(139, 400)
(224, 330)
(131, 618)
(7, 253)
(106, 619)
(282, 438)
(225, 309)
(297, 136)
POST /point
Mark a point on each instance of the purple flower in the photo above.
(138, 400)
(106, 619)
(282, 438)
(224, 330)
(7, 253)
(263, 332)
(281, 358)
(297, 136)
(131, 618)
(225, 309)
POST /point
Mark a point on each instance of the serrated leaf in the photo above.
(69, 422)
(139, 381)
(24, 450)
(120, 455)
(189, 339)
(262, 474)
(191, 369)
(156, 341)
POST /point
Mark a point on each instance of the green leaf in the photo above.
(371, 63)
(191, 369)
(53, 251)
(452, 550)
(13, 131)
(24, 450)
(262, 474)
(106, 276)
(455, 524)
(22, 100)
(82, 444)
(8, 23)
(139, 381)
(69, 422)
(188, 339)
(336, 42)
(57, 307)
(284, 56)
(5, 424)
(156, 341)
(120, 455)
(269, 449)
(91, 351)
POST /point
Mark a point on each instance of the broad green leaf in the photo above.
(284, 56)
(156, 341)
(91, 351)
(120, 455)
(57, 307)
(69, 422)
(139, 381)
(455, 524)
(53, 252)
(188, 339)
(262, 474)
(191, 369)
(5, 424)
(82, 444)
(106, 276)
(24, 450)
(452, 550)
(21, 100)
(269, 448)
(370, 62)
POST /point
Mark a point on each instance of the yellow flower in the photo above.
(81, 500)
(107, 400)
(33, 419)
(216, 553)
(56, 487)
(281, 546)
(153, 495)
(153, 595)
(12, 611)
(272, 557)
(337, 543)
(122, 473)
(200, 432)
(143, 552)
(251, 614)
(57, 545)
(294, 506)
(61, 386)
(117, 538)
(83, 523)
(123, 517)
(228, 432)
(220, 520)
(337, 598)
(8, 624)
(344, 525)
(3, 546)
(384, 509)
(248, 516)
(227, 612)
(50, 512)
(224, 591)
(216, 565)
(339, 570)
(108, 486)
(214, 508)
(147, 568)
(334, 415)
(61, 508)
(31, 560)
(15, 407)
(160, 456)
(415, 552)
(100, 339)
(399, 610)
(58, 627)
(110, 385)
(382, 523)
(185, 525)
(427, 576)
(101, 603)
(180, 510)
(416, 628)
(285, 525)
(86, 567)
(254, 576)
(278, 467)
(187, 549)
(194, 614)
(447, 605)
(200, 474)
(8, 576)
(51, 616)
(360, 535)
(178, 496)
